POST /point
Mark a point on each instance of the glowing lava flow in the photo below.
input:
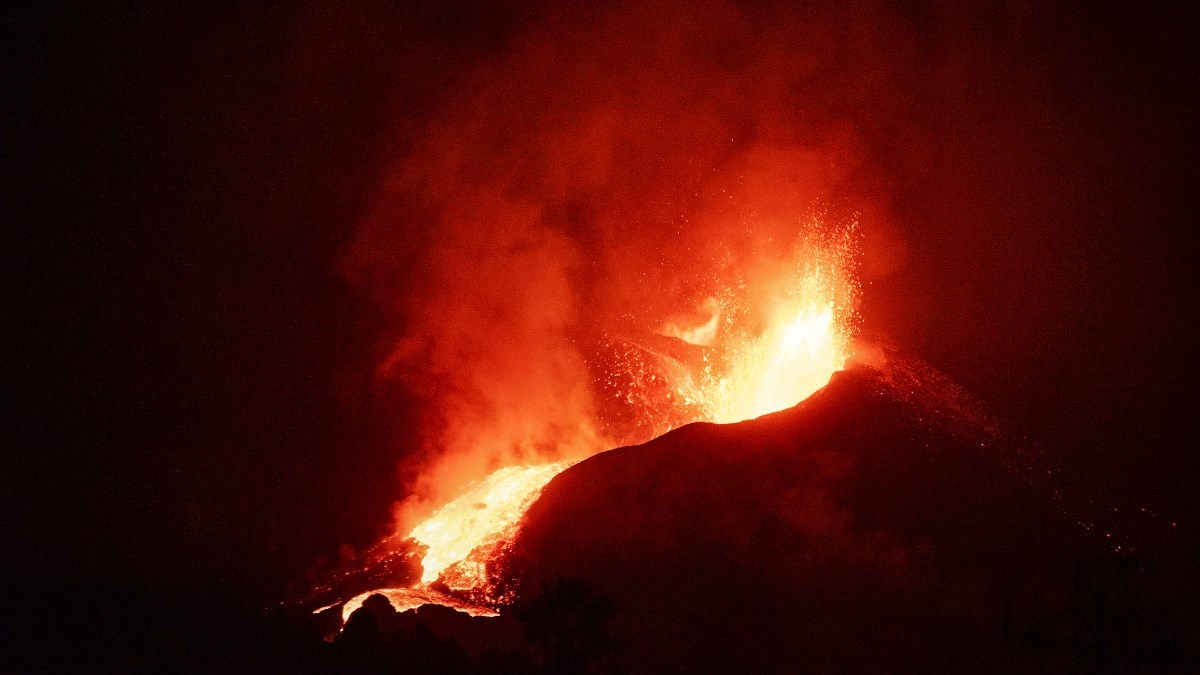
(404, 599)
(761, 355)
(486, 515)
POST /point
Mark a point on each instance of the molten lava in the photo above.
(762, 352)
(805, 340)
(403, 599)
(483, 517)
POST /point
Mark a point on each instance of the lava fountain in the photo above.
(802, 336)
(767, 345)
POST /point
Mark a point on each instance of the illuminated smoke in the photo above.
(602, 177)
(701, 334)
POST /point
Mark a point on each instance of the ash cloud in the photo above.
(602, 170)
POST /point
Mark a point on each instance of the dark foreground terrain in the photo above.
(885, 524)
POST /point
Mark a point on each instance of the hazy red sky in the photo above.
(227, 219)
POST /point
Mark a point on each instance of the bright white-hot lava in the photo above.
(485, 515)
(804, 340)
(762, 352)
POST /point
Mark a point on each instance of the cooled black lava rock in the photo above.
(882, 524)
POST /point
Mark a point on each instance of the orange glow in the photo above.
(766, 345)
(403, 599)
(802, 343)
(697, 335)
(486, 515)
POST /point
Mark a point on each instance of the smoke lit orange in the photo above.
(765, 350)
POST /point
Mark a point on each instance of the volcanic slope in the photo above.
(880, 524)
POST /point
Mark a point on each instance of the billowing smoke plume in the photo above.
(607, 170)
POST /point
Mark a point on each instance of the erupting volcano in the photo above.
(643, 336)
(748, 352)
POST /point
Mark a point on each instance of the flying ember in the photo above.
(762, 347)
(806, 338)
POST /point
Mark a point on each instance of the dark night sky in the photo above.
(190, 393)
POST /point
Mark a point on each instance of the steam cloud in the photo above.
(608, 169)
